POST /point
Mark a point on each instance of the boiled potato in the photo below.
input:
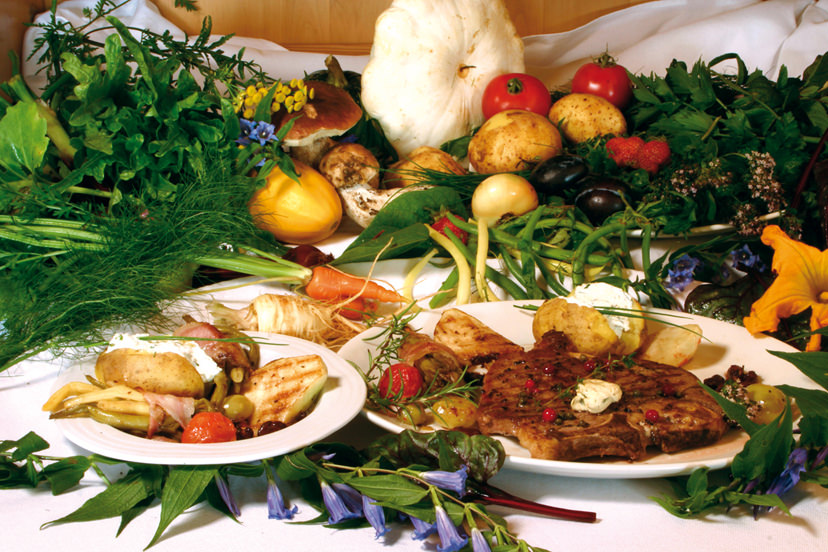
(673, 345)
(513, 140)
(156, 372)
(587, 328)
(403, 172)
(585, 116)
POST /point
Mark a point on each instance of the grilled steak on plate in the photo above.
(684, 415)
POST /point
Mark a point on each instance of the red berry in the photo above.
(653, 156)
(443, 224)
(529, 384)
(549, 414)
(400, 381)
(624, 150)
(668, 390)
(651, 416)
(590, 365)
(549, 369)
(209, 427)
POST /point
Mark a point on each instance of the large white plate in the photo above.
(341, 400)
(724, 345)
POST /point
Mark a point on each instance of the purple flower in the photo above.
(375, 516)
(263, 133)
(680, 275)
(450, 481)
(789, 477)
(450, 539)
(337, 510)
(226, 495)
(745, 258)
(350, 496)
(422, 529)
(479, 542)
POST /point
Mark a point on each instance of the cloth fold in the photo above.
(645, 38)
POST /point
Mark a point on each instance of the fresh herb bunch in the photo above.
(125, 179)
(438, 481)
(773, 460)
(740, 143)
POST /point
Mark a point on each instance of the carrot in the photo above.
(327, 284)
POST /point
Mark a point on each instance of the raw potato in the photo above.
(400, 174)
(673, 345)
(164, 373)
(582, 117)
(513, 140)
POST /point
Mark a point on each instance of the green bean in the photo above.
(446, 290)
(581, 253)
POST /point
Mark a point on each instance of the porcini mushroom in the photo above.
(329, 111)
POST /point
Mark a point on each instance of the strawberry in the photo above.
(653, 156)
(444, 224)
(624, 150)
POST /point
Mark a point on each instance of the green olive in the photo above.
(454, 412)
(413, 414)
(237, 407)
(770, 400)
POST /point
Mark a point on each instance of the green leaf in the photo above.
(766, 452)
(66, 473)
(391, 488)
(23, 139)
(813, 364)
(184, 487)
(113, 501)
(23, 447)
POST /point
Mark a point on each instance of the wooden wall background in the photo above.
(328, 26)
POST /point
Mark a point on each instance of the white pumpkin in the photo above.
(429, 63)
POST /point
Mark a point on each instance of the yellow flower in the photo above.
(801, 282)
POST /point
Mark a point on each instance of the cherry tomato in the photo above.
(400, 381)
(603, 77)
(209, 427)
(516, 91)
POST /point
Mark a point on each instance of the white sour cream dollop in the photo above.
(601, 294)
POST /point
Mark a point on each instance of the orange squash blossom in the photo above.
(801, 283)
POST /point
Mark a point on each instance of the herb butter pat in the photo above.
(594, 396)
(190, 350)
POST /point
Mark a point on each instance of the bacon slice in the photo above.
(180, 409)
(226, 354)
(437, 362)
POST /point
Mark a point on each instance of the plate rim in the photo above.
(348, 399)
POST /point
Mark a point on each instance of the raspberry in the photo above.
(653, 156)
(624, 151)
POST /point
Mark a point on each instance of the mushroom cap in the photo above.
(430, 62)
(331, 112)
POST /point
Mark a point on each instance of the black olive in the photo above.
(601, 197)
(558, 174)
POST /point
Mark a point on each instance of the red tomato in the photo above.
(400, 381)
(604, 78)
(516, 91)
(209, 427)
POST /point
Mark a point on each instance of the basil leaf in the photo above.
(811, 363)
(392, 488)
(117, 498)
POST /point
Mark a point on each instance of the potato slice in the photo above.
(156, 372)
(673, 345)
